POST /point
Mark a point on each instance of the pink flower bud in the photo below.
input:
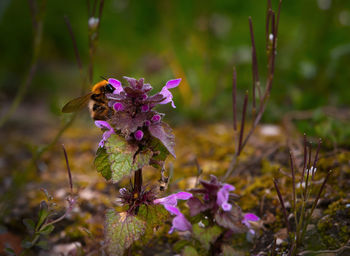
(138, 135)
(118, 106)
(155, 118)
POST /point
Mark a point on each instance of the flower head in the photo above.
(134, 106)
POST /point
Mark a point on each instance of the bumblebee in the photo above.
(96, 101)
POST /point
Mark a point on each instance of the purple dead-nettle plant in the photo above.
(216, 202)
(134, 136)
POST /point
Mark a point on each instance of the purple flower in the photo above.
(250, 217)
(109, 131)
(116, 84)
(172, 199)
(155, 118)
(223, 195)
(179, 222)
(167, 94)
(147, 123)
(118, 106)
(138, 135)
(169, 203)
(145, 108)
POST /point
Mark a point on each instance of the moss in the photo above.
(334, 228)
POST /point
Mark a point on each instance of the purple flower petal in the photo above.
(109, 131)
(180, 223)
(173, 83)
(147, 123)
(103, 125)
(131, 81)
(118, 106)
(155, 118)
(247, 218)
(172, 209)
(145, 108)
(169, 203)
(172, 199)
(116, 84)
(223, 196)
(138, 135)
(226, 207)
(167, 94)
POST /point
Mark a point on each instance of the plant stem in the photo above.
(137, 185)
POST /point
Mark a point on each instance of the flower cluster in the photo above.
(215, 199)
(134, 117)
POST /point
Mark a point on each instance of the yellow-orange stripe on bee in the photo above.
(96, 88)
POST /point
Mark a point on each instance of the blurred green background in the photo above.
(197, 40)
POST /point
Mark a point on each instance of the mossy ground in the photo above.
(211, 146)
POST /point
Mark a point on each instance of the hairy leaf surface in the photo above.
(164, 133)
(120, 156)
(102, 163)
(121, 230)
(154, 216)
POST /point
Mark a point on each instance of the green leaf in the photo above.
(30, 225)
(44, 212)
(189, 251)
(121, 230)
(47, 230)
(142, 159)
(120, 156)
(154, 216)
(102, 163)
(206, 236)
(180, 245)
(164, 133)
(43, 244)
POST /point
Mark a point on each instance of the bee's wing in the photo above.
(76, 104)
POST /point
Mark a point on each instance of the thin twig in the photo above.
(234, 98)
(263, 100)
(100, 14)
(316, 158)
(339, 250)
(305, 158)
(241, 133)
(75, 46)
(293, 180)
(255, 72)
(68, 169)
(282, 204)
